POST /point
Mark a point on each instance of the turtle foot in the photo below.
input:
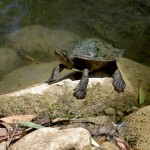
(50, 81)
(79, 92)
(119, 85)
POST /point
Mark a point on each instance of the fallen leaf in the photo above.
(122, 144)
(8, 127)
(101, 139)
(16, 119)
(95, 143)
(31, 124)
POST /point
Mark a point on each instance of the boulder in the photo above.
(135, 75)
(57, 100)
(40, 42)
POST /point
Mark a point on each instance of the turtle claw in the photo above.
(119, 85)
(80, 90)
(118, 82)
(50, 81)
(79, 93)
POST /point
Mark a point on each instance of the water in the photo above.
(125, 24)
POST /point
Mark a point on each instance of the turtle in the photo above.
(88, 55)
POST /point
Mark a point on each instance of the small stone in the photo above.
(120, 113)
(110, 111)
(109, 146)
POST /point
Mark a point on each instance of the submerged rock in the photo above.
(40, 42)
(27, 76)
(8, 61)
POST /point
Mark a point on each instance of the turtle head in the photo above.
(61, 53)
(62, 56)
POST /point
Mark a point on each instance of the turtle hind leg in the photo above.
(80, 90)
(118, 82)
(55, 73)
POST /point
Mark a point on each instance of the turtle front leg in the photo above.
(55, 73)
(118, 82)
(80, 90)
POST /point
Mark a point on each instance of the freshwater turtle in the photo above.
(88, 55)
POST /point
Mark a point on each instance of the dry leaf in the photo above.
(95, 143)
(122, 144)
(8, 127)
(16, 119)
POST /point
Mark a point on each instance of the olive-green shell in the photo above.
(95, 50)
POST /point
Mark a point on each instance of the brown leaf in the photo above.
(122, 144)
(101, 139)
(8, 127)
(16, 119)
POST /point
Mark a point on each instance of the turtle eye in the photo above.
(61, 51)
(64, 51)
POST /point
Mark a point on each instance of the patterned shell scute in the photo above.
(96, 50)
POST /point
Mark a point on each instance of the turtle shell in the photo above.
(95, 50)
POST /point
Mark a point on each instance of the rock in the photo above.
(58, 100)
(95, 125)
(8, 61)
(110, 111)
(135, 75)
(40, 42)
(3, 145)
(27, 76)
(106, 146)
(53, 139)
(109, 146)
(137, 129)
